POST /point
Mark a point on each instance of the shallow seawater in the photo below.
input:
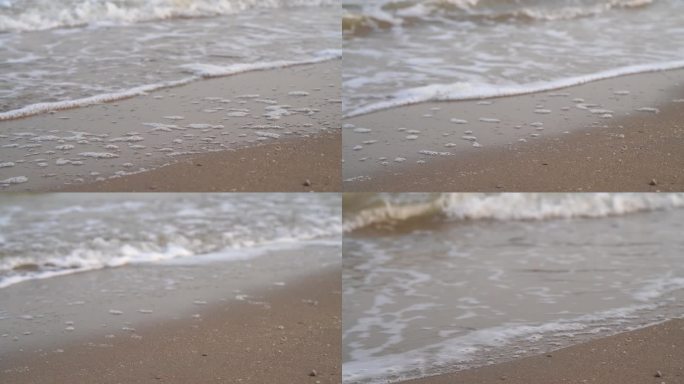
(436, 283)
(111, 305)
(402, 52)
(58, 234)
(100, 142)
(86, 49)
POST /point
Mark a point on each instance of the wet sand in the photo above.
(95, 143)
(592, 137)
(649, 355)
(287, 334)
(290, 165)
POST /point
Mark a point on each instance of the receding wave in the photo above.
(505, 207)
(466, 91)
(33, 15)
(199, 71)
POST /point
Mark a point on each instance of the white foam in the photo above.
(48, 14)
(656, 288)
(534, 206)
(38, 108)
(267, 134)
(15, 180)
(466, 91)
(298, 93)
(99, 155)
(200, 71)
(489, 120)
(434, 153)
(204, 126)
(210, 70)
(648, 109)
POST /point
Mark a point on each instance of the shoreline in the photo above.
(269, 333)
(142, 90)
(632, 357)
(548, 141)
(557, 86)
(94, 143)
(290, 165)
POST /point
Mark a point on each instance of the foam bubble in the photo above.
(15, 180)
(648, 109)
(99, 155)
(489, 120)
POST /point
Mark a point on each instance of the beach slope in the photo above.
(649, 355)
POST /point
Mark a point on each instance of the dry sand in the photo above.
(577, 147)
(290, 165)
(293, 332)
(95, 143)
(650, 355)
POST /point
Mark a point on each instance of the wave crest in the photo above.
(34, 15)
(511, 206)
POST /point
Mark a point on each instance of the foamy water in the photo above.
(49, 235)
(116, 49)
(398, 53)
(448, 282)
(32, 15)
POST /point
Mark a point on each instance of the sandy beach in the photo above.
(287, 332)
(649, 355)
(299, 164)
(218, 121)
(620, 134)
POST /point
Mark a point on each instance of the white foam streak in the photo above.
(200, 71)
(209, 70)
(539, 206)
(465, 91)
(38, 108)
(173, 254)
